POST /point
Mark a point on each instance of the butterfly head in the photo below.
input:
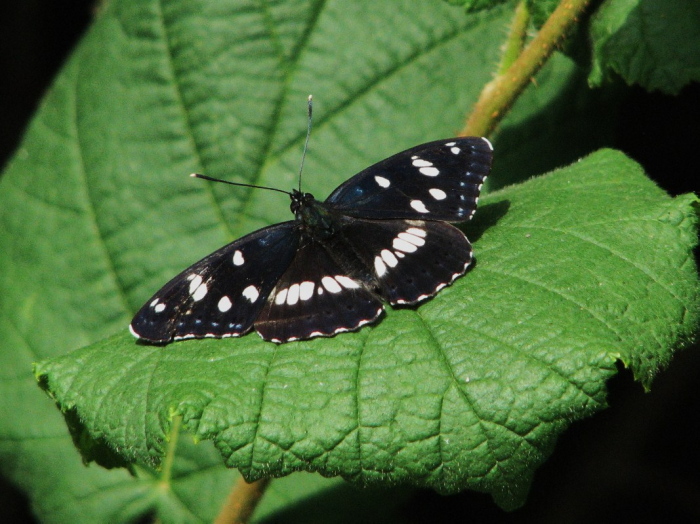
(300, 201)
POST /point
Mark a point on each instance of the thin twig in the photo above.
(241, 501)
(500, 94)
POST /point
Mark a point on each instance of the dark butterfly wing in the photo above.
(411, 260)
(222, 294)
(316, 297)
(435, 181)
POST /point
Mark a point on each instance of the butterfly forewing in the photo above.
(222, 294)
(316, 296)
(435, 181)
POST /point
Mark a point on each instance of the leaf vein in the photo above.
(91, 214)
(266, 155)
(189, 128)
(607, 249)
(561, 295)
(261, 405)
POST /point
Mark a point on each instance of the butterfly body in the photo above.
(383, 235)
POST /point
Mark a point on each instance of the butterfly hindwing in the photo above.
(411, 260)
(222, 294)
(435, 181)
(316, 296)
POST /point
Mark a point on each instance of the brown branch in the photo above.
(500, 94)
(241, 501)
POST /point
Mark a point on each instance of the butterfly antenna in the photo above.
(306, 143)
(205, 177)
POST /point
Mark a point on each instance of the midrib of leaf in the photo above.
(358, 411)
(266, 157)
(443, 358)
(261, 405)
(187, 120)
(166, 476)
(464, 395)
(89, 209)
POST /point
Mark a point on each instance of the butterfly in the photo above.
(382, 236)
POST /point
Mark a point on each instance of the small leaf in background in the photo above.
(577, 269)
(647, 42)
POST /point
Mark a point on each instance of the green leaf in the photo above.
(97, 211)
(577, 269)
(647, 42)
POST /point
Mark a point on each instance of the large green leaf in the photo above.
(97, 211)
(577, 269)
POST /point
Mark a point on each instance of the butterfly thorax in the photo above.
(315, 219)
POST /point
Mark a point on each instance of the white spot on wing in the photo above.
(384, 182)
(455, 150)
(429, 171)
(238, 259)
(419, 162)
(293, 295)
(200, 292)
(196, 280)
(224, 304)
(413, 239)
(251, 293)
(389, 258)
(437, 194)
(306, 290)
(159, 308)
(419, 206)
(281, 297)
(154, 302)
(450, 144)
(330, 284)
(401, 245)
(416, 231)
(379, 266)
